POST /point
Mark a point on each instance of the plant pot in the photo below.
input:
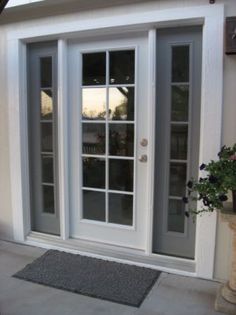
(234, 200)
(226, 298)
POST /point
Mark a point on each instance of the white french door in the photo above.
(108, 120)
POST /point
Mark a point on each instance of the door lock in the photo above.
(144, 142)
(143, 158)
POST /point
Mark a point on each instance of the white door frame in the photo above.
(62, 27)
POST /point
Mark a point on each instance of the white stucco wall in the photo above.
(5, 202)
(223, 244)
(224, 237)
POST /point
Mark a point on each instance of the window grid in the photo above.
(47, 122)
(179, 123)
(107, 122)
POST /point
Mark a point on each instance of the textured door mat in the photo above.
(112, 281)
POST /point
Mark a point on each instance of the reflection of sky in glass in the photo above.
(120, 101)
(46, 104)
(94, 103)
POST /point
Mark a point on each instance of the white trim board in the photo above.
(71, 24)
(62, 27)
(63, 138)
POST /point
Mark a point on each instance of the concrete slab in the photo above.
(178, 295)
(18, 297)
(171, 295)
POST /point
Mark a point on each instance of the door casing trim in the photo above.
(212, 19)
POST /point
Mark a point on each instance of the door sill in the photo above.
(136, 257)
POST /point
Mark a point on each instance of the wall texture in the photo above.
(224, 239)
(5, 201)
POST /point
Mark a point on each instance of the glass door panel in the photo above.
(107, 208)
(178, 163)
(103, 138)
(121, 103)
(94, 103)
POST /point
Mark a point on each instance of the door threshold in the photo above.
(113, 253)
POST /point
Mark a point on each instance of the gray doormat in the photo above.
(112, 281)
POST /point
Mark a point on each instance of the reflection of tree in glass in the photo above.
(100, 142)
(125, 111)
(180, 100)
(93, 172)
(94, 138)
(180, 63)
(122, 67)
(93, 115)
(121, 140)
(120, 112)
(115, 142)
(121, 174)
(97, 147)
(46, 104)
(101, 115)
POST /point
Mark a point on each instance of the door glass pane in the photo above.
(46, 72)
(176, 217)
(47, 169)
(121, 140)
(94, 104)
(120, 175)
(46, 137)
(46, 104)
(180, 102)
(94, 68)
(121, 103)
(179, 142)
(121, 209)
(48, 199)
(101, 136)
(94, 205)
(121, 67)
(94, 138)
(177, 179)
(180, 63)
(93, 172)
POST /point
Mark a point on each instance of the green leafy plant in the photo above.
(211, 189)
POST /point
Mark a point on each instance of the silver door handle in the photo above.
(143, 158)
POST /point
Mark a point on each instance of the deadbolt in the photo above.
(144, 142)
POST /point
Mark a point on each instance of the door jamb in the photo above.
(63, 171)
(151, 134)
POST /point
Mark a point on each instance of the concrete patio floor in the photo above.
(171, 295)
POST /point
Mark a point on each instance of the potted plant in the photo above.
(218, 179)
(212, 188)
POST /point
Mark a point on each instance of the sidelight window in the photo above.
(179, 133)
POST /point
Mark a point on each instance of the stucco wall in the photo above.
(224, 238)
(5, 201)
